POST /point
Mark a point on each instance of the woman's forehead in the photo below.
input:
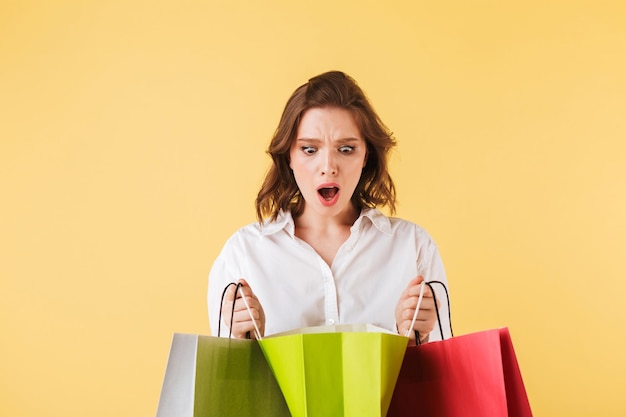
(328, 122)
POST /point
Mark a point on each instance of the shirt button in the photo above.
(330, 322)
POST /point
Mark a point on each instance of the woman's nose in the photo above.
(329, 164)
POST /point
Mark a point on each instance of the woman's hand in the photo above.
(405, 309)
(240, 323)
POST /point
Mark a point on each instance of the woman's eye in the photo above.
(309, 150)
(346, 149)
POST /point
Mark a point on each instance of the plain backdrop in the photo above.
(132, 144)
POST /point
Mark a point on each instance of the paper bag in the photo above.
(218, 377)
(336, 371)
(471, 375)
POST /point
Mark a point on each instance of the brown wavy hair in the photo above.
(330, 89)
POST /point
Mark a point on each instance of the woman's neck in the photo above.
(325, 234)
(311, 220)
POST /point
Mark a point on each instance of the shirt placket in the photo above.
(331, 309)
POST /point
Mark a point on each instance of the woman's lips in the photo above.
(328, 194)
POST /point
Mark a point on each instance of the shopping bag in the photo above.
(335, 371)
(218, 377)
(471, 375)
(214, 376)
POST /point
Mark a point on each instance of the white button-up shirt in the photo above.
(297, 288)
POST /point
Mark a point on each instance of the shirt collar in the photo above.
(284, 221)
(376, 217)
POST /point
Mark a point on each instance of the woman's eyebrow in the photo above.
(340, 140)
(348, 140)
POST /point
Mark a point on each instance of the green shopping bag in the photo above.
(209, 376)
(335, 371)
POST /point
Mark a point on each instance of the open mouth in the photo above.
(328, 193)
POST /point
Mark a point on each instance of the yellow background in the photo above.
(132, 139)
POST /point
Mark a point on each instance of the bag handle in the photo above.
(417, 309)
(419, 301)
(245, 301)
(429, 283)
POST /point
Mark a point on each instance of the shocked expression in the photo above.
(327, 158)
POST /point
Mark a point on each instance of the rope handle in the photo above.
(238, 285)
(429, 283)
(419, 301)
(417, 309)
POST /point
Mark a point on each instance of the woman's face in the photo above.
(327, 158)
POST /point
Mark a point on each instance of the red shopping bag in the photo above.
(471, 375)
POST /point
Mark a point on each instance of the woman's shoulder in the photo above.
(267, 227)
(394, 225)
(408, 225)
(244, 233)
(402, 229)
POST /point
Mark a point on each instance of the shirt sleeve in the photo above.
(430, 266)
(224, 271)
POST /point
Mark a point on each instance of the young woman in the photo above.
(322, 253)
